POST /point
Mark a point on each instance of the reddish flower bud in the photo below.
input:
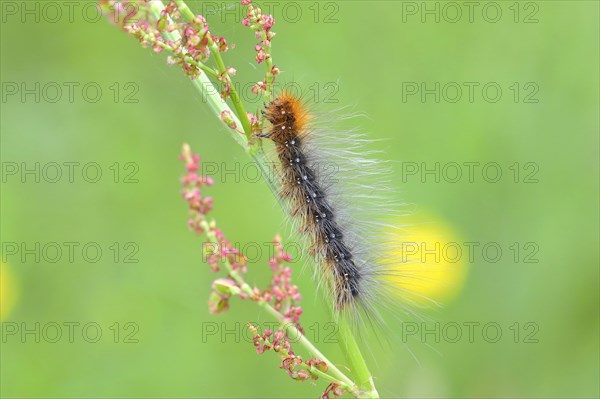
(227, 118)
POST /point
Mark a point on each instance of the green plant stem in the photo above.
(218, 105)
(190, 61)
(204, 84)
(269, 75)
(235, 98)
(357, 363)
(290, 328)
(269, 79)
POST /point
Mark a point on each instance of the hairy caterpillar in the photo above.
(357, 267)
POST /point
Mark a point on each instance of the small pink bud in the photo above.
(192, 167)
(193, 40)
(162, 23)
(259, 88)
(225, 286)
(227, 118)
(217, 304)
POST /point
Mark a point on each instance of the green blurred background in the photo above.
(371, 50)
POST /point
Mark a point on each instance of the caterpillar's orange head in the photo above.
(287, 116)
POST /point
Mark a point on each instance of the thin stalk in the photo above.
(203, 83)
(357, 363)
(190, 61)
(288, 327)
(235, 98)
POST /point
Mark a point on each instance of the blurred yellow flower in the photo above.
(8, 290)
(432, 261)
